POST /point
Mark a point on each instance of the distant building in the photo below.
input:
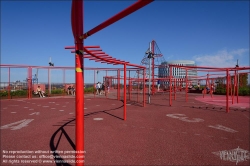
(178, 72)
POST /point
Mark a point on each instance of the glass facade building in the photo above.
(178, 73)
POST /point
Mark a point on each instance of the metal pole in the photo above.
(149, 73)
(170, 86)
(153, 68)
(63, 81)
(124, 94)
(9, 84)
(238, 81)
(49, 83)
(174, 88)
(30, 82)
(144, 98)
(118, 87)
(186, 85)
(129, 84)
(138, 88)
(77, 29)
(95, 89)
(227, 91)
(234, 86)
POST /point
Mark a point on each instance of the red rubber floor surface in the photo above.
(187, 133)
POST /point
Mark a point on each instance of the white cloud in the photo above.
(224, 58)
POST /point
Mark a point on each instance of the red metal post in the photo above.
(49, 81)
(105, 84)
(234, 86)
(170, 86)
(27, 79)
(118, 84)
(30, 82)
(237, 87)
(153, 68)
(186, 85)
(9, 84)
(129, 84)
(227, 95)
(138, 87)
(64, 81)
(124, 95)
(77, 28)
(144, 97)
(95, 89)
(175, 89)
(230, 86)
(212, 88)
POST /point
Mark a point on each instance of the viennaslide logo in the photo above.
(234, 155)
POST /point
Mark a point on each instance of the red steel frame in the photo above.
(77, 28)
(211, 69)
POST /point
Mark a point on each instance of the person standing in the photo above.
(69, 90)
(158, 85)
(73, 91)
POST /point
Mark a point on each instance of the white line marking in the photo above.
(61, 110)
(128, 104)
(13, 112)
(71, 113)
(22, 123)
(183, 117)
(85, 108)
(35, 113)
(246, 116)
(97, 105)
(97, 118)
(220, 127)
(196, 134)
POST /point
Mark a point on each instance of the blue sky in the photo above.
(212, 33)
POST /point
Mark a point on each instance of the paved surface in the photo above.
(197, 132)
